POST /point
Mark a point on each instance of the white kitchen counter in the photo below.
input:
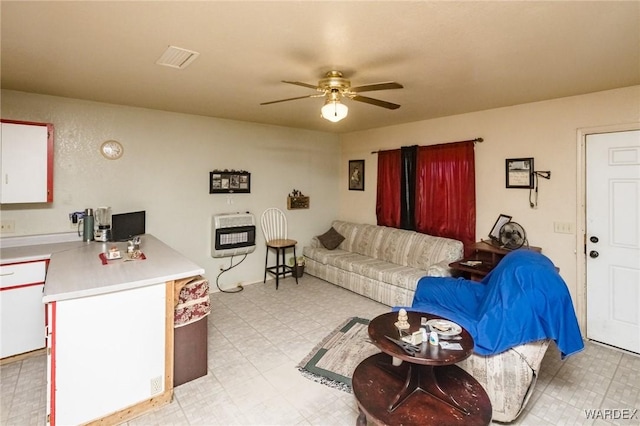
(80, 273)
(75, 270)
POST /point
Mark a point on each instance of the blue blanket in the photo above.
(522, 300)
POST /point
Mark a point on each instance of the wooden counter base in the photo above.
(136, 410)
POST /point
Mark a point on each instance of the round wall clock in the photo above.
(111, 150)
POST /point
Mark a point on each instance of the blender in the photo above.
(103, 224)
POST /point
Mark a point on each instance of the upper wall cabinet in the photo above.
(26, 151)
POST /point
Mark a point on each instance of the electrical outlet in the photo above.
(156, 385)
(7, 226)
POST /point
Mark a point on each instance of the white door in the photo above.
(613, 239)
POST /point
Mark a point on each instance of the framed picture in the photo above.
(519, 172)
(356, 175)
(229, 182)
(495, 231)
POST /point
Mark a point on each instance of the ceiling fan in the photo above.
(334, 87)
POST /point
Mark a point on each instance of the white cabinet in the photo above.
(26, 151)
(108, 353)
(22, 326)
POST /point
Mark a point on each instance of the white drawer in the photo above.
(22, 273)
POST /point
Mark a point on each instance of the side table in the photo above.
(426, 388)
(485, 257)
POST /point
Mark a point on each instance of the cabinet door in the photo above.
(22, 321)
(27, 157)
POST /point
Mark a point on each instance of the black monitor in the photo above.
(124, 226)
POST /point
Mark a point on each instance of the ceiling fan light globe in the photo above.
(334, 111)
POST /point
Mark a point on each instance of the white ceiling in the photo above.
(452, 57)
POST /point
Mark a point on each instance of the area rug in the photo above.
(333, 361)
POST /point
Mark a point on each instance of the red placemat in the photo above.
(105, 261)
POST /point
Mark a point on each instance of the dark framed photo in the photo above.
(356, 175)
(229, 182)
(519, 172)
(495, 231)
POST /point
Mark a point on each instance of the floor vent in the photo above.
(177, 57)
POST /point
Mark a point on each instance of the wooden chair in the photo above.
(274, 228)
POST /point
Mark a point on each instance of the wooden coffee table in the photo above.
(426, 388)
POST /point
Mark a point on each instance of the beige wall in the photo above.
(168, 157)
(165, 171)
(547, 131)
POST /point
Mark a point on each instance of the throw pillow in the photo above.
(331, 239)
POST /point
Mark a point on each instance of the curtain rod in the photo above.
(478, 140)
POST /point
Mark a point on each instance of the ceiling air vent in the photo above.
(177, 57)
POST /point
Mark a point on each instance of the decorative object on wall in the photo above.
(111, 150)
(297, 200)
(229, 182)
(519, 172)
(533, 198)
(335, 88)
(356, 175)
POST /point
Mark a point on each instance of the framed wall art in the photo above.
(519, 172)
(229, 182)
(356, 175)
(495, 231)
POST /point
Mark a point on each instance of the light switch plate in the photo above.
(563, 227)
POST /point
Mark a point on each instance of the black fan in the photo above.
(512, 236)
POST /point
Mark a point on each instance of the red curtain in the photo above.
(388, 195)
(446, 191)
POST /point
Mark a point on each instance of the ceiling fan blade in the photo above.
(290, 99)
(376, 102)
(298, 83)
(377, 86)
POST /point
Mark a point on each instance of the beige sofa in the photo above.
(381, 263)
(385, 264)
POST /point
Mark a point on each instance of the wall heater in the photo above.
(232, 234)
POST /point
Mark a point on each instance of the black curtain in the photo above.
(408, 187)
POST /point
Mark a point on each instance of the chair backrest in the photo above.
(274, 224)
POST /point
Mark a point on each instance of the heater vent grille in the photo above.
(177, 57)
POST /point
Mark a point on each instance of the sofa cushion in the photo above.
(427, 250)
(322, 255)
(359, 238)
(348, 261)
(395, 245)
(331, 239)
(378, 270)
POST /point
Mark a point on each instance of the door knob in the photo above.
(593, 254)
(594, 239)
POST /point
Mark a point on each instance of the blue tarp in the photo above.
(522, 300)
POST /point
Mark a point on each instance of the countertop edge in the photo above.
(120, 287)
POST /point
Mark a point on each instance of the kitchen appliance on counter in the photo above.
(87, 225)
(103, 224)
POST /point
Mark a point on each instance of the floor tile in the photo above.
(258, 336)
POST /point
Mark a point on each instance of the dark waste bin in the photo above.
(190, 332)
